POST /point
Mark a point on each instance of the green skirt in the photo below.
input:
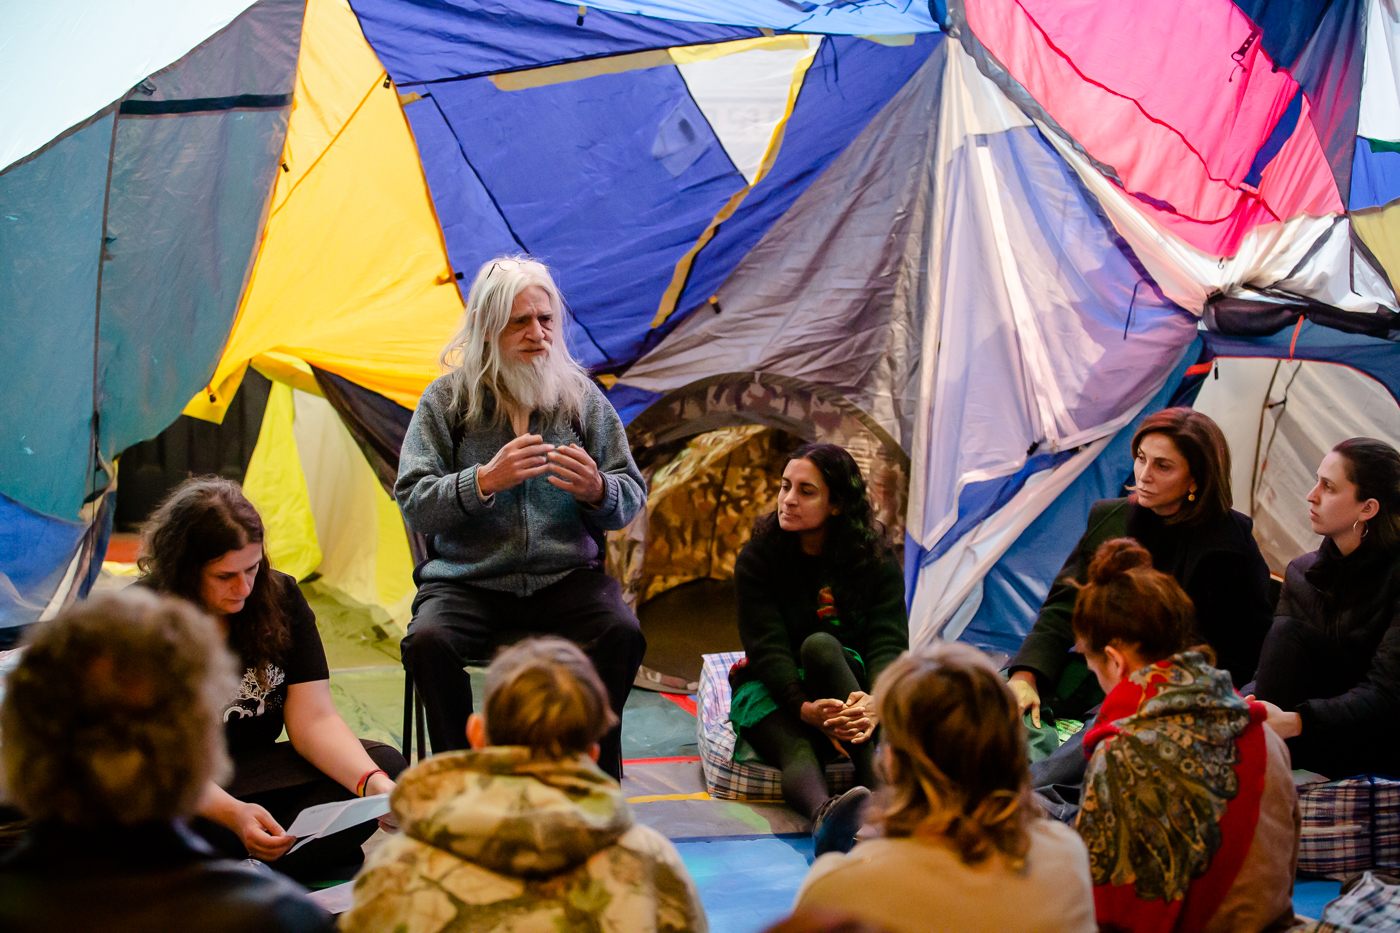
(752, 702)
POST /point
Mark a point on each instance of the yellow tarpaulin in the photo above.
(352, 274)
(1379, 229)
(324, 509)
(276, 485)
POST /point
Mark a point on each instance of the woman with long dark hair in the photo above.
(821, 614)
(1179, 510)
(205, 543)
(1330, 669)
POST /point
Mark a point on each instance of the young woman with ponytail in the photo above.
(1188, 807)
(962, 848)
(1330, 669)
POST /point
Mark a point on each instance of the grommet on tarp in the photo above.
(714, 304)
(386, 80)
(286, 167)
(457, 276)
(582, 12)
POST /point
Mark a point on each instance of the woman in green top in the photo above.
(821, 613)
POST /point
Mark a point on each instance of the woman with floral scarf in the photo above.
(1189, 812)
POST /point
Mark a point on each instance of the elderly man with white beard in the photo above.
(513, 467)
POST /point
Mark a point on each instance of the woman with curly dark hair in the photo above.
(205, 543)
(821, 613)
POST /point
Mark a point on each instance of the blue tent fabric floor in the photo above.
(747, 859)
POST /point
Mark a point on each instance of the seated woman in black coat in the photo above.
(205, 543)
(1330, 670)
(821, 613)
(1180, 512)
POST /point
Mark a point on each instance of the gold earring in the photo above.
(1190, 497)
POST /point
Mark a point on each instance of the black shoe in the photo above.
(836, 823)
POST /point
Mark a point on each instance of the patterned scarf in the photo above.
(1171, 795)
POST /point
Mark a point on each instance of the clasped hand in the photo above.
(849, 721)
(571, 468)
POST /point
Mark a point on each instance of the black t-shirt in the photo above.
(255, 717)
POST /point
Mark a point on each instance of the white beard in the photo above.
(533, 385)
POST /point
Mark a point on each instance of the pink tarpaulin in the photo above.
(1176, 98)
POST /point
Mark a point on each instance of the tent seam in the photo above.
(327, 148)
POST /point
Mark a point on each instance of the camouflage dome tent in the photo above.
(713, 452)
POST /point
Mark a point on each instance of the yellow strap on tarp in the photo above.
(634, 61)
(681, 274)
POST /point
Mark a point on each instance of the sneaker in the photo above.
(838, 820)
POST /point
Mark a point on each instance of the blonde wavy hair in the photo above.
(953, 754)
(473, 356)
(113, 715)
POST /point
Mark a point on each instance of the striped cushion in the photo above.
(740, 780)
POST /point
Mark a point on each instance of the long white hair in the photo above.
(473, 355)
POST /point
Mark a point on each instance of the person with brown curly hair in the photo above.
(963, 849)
(109, 735)
(1189, 811)
(205, 543)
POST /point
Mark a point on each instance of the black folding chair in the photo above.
(413, 712)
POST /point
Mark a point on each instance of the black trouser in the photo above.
(456, 623)
(283, 783)
(1058, 778)
(1298, 662)
(802, 751)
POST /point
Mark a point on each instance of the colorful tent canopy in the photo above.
(983, 232)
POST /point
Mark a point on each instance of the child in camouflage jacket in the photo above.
(524, 831)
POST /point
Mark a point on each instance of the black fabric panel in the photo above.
(191, 447)
(1239, 317)
(377, 424)
(206, 104)
(1242, 317)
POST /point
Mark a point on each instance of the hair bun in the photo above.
(1115, 558)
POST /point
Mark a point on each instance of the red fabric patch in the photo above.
(684, 702)
(1236, 826)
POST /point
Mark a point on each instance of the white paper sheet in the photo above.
(328, 818)
(335, 900)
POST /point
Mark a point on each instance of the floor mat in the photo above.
(669, 796)
(370, 700)
(349, 631)
(1309, 897)
(748, 884)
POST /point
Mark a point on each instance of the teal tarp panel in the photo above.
(193, 160)
(50, 240)
(194, 166)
